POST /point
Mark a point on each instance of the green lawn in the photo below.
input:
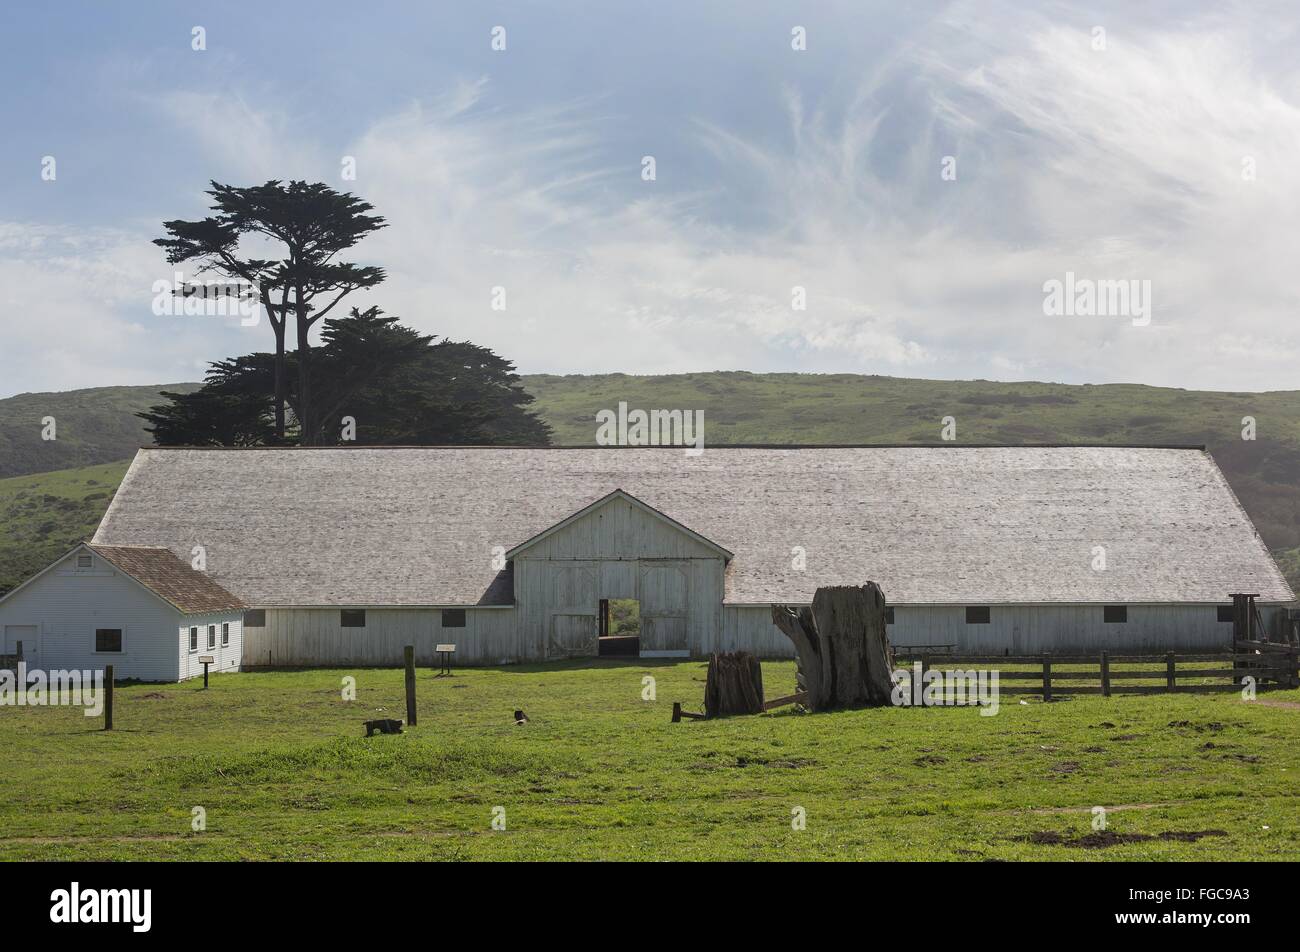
(278, 762)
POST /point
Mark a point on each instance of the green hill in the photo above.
(738, 408)
(44, 515)
(91, 426)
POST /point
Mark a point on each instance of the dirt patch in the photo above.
(930, 760)
(1286, 705)
(1100, 839)
(1094, 750)
(1109, 809)
(1065, 767)
(789, 763)
(1126, 737)
(153, 696)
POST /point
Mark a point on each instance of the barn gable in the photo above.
(619, 526)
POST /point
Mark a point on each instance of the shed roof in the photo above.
(172, 580)
(933, 525)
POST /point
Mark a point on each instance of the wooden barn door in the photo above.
(573, 626)
(664, 594)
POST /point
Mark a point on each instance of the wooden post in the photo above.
(108, 697)
(919, 691)
(1047, 677)
(410, 685)
(1105, 674)
(1169, 671)
(677, 712)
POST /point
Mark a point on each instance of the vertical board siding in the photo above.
(67, 604)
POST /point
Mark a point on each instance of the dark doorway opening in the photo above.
(620, 628)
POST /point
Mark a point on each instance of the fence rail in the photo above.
(1268, 664)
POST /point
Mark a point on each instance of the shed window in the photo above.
(255, 618)
(353, 618)
(108, 639)
(212, 636)
(85, 562)
(889, 615)
(194, 639)
(1225, 614)
(1115, 614)
(977, 614)
(225, 634)
(453, 618)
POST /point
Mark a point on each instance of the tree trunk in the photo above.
(734, 685)
(306, 418)
(279, 379)
(842, 647)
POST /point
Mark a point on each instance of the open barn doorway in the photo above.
(620, 628)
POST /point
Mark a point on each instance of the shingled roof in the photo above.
(172, 580)
(933, 525)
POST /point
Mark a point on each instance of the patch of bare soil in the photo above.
(153, 696)
(1100, 839)
(1286, 705)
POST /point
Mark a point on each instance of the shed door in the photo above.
(572, 635)
(664, 596)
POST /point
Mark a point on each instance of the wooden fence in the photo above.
(1106, 674)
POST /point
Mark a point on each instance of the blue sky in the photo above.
(776, 169)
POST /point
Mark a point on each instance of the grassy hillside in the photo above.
(92, 426)
(44, 515)
(278, 761)
(97, 426)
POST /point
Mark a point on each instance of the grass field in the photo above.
(278, 762)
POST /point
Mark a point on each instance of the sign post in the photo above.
(205, 660)
(446, 651)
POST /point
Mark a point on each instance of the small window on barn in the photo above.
(1115, 614)
(108, 639)
(194, 639)
(212, 636)
(225, 634)
(889, 615)
(453, 618)
(255, 618)
(353, 618)
(977, 614)
(85, 562)
(1225, 614)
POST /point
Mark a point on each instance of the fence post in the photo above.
(1047, 676)
(108, 697)
(925, 665)
(1105, 674)
(410, 685)
(1169, 671)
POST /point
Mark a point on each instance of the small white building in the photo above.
(138, 608)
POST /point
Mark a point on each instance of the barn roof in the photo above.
(933, 525)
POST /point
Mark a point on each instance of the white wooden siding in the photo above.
(226, 659)
(67, 604)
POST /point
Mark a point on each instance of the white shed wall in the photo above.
(67, 604)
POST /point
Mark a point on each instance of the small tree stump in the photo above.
(734, 685)
(842, 647)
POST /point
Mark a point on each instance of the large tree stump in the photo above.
(734, 685)
(842, 647)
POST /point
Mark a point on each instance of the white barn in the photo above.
(345, 555)
(138, 608)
